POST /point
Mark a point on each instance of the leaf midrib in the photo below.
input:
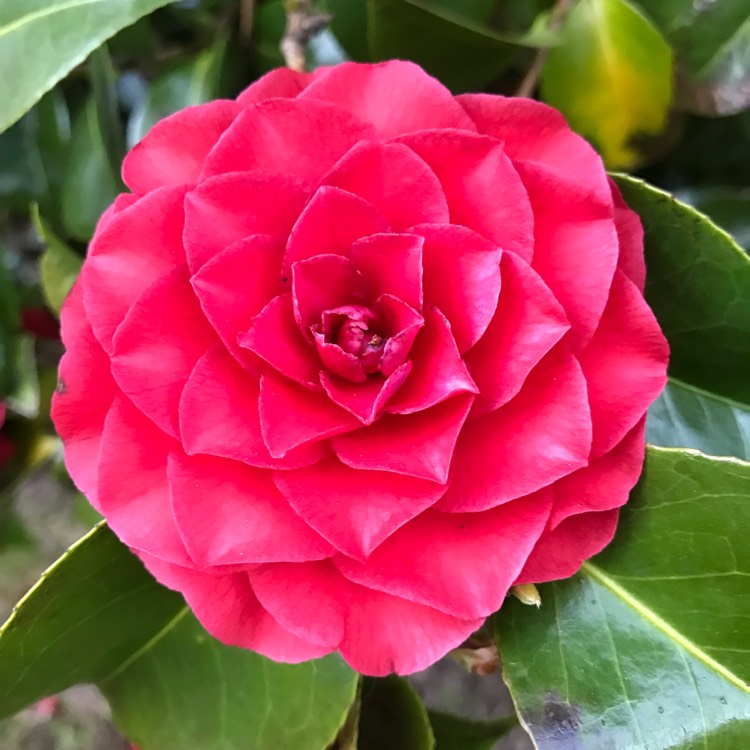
(726, 400)
(600, 577)
(43, 13)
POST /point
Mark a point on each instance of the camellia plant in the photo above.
(369, 364)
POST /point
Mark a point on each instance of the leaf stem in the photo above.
(302, 23)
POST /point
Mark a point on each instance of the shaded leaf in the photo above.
(726, 206)
(712, 44)
(611, 76)
(459, 733)
(649, 645)
(59, 266)
(51, 38)
(98, 616)
(393, 716)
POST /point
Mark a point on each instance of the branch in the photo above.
(533, 74)
(247, 19)
(302, 23)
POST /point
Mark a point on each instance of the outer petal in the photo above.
(419, 445)
(481, 185)
(219, 415)
(330, 223)
(83, 397)
(462, 278)
(228, 513)
(157, 346)
(527, 323)
(228, 609)
(605, 483)
(395, 181)
(355, 510)
(532, 131)
(275, 337)
(541, 435)
(625, 365)
(576, 245)
(281, 82)
(136, 246)
(439, 372)
(133, 490)
(291, 416)
(560, 552)
(237, 284)
(630, 234)
(379, 633)
(303, 139)
(460, 563)
(173, 151)
(396, 97)
(232, 206)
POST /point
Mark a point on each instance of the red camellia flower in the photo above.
(355, 356)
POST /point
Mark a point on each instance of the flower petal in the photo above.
(481, 185)
(137, 245)
(237, 284)
(277, 83)
(560, 552)
(133, 491)
(219, 415)
(630, 235)
(576, 246)
(330, 223)
(395, 181)
(302, 139)
(173, 151)
(396, 97)
(157, 346)
(527, 323)
(419, 445)
(625, 365)
(462, 278)
(228, 513)
(291, 416)
(605, 483)
(459, 563)
(541, 435)
(228, 609)
(230, 207)
(275, 338)
(355, 511)
(439, 372)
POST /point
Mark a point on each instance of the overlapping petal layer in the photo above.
(355, 357)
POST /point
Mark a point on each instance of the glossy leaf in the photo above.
(459, 733)
(192, 83)
(611, 76)
(698, 285)
(89, 185)
(712, 44)
(42, 40)
(393, 716)
(649, 645)
(461, 53)
(727, 207)
(98, 616)
(59, 266)
(187, 690)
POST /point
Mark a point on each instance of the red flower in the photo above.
(355, 356)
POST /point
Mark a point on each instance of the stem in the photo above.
(302, 23)
(247, 19)
(534, 73)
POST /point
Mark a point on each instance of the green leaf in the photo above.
(461, 53)
(98, 616)
(649, 645)
(611, 76)
(195, 82)
(459, 733)
(349, 26)
(59, 266)
(393, 716)
(89, 186)
(698, 285)
(41, 41)
(104, 83)
(726, 206)
(712, 45)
